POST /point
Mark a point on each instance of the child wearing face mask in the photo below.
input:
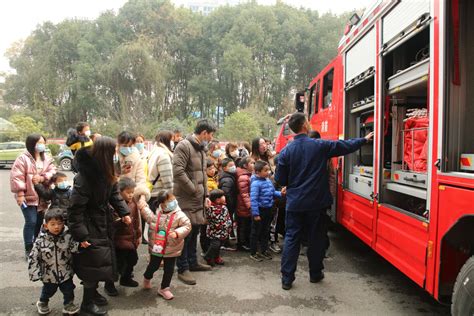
(168, 228)
(59, 195)
(218, 228)
(228, 184)
(127, 236)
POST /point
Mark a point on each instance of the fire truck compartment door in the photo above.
(361, 56)
(400, 17)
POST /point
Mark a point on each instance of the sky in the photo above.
(18, 18)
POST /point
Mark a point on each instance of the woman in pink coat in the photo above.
(30, 168)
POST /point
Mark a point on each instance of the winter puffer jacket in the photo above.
(190, 178)
(262, 194)
(228, 184)
(90, 218)
(137, 172)
(50, 260)
(22, 174)
(59, 198)
(219, 222)
(181, 225)
(211, 184)
(243, 197)
(128, 237)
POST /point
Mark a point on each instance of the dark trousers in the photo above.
(67, 288)
(244, 225)
(33, 223)
(261, 231)
(126, 260)
(154, 265)
(296, 222)
(214, 250)
(203, 239)
(188, 257)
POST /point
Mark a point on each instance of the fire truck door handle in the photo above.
(438, 164)
(414, 180)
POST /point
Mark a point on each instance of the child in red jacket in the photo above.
(244, 218)
(127, 237)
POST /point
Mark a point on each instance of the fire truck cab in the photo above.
(403, 71)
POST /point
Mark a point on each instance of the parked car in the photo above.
(64, 158)
(9, 152)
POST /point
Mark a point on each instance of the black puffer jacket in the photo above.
(90, 219)
(59, 198)
(228, 184)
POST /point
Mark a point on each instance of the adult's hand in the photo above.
(256, 218)
(20, 200)
(207, 203)
(369, 136)
(173, 235)
(85, 244)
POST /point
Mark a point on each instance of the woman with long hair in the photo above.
(94, 198)
(160, 166)
(30, 168)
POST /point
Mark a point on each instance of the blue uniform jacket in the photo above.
(262, 194)
(302, 168)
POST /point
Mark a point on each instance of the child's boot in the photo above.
(166, 293)
(210, 262)
(43, 308)
(70, 308)
(146, 284)
(219, 261)
(110, 289)
(128, 282)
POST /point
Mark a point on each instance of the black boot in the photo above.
(88, 307)
(110, 289)
(99, 299)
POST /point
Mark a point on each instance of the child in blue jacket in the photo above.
(262, 195)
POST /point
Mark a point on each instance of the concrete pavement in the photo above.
(358, 282)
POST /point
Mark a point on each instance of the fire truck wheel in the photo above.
(463, 294)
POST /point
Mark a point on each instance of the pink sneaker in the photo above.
(166, 293)
(146, 284)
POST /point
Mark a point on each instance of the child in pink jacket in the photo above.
(30, 168)
(166, 234)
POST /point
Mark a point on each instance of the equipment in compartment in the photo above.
(410, 178)
(361, 185)
(365, 125)
(410, 77)
(362, 105)
(467, 162)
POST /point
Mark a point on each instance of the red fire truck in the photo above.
(403, 70)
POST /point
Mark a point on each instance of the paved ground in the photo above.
(358, 282)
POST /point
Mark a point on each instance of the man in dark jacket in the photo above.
(190, 189)
(302, 168)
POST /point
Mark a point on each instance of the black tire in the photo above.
(66, 164)
(463, 293)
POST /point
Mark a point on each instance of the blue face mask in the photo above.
(116, 158)
(63, 185)
(172, 205)
(126, 150)
(232, 169)
(216, 153)
(140, 146)
(40, 148)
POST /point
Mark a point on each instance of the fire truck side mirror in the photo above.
(299, 101)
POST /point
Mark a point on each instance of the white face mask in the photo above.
(172, 144)
(87, 133)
